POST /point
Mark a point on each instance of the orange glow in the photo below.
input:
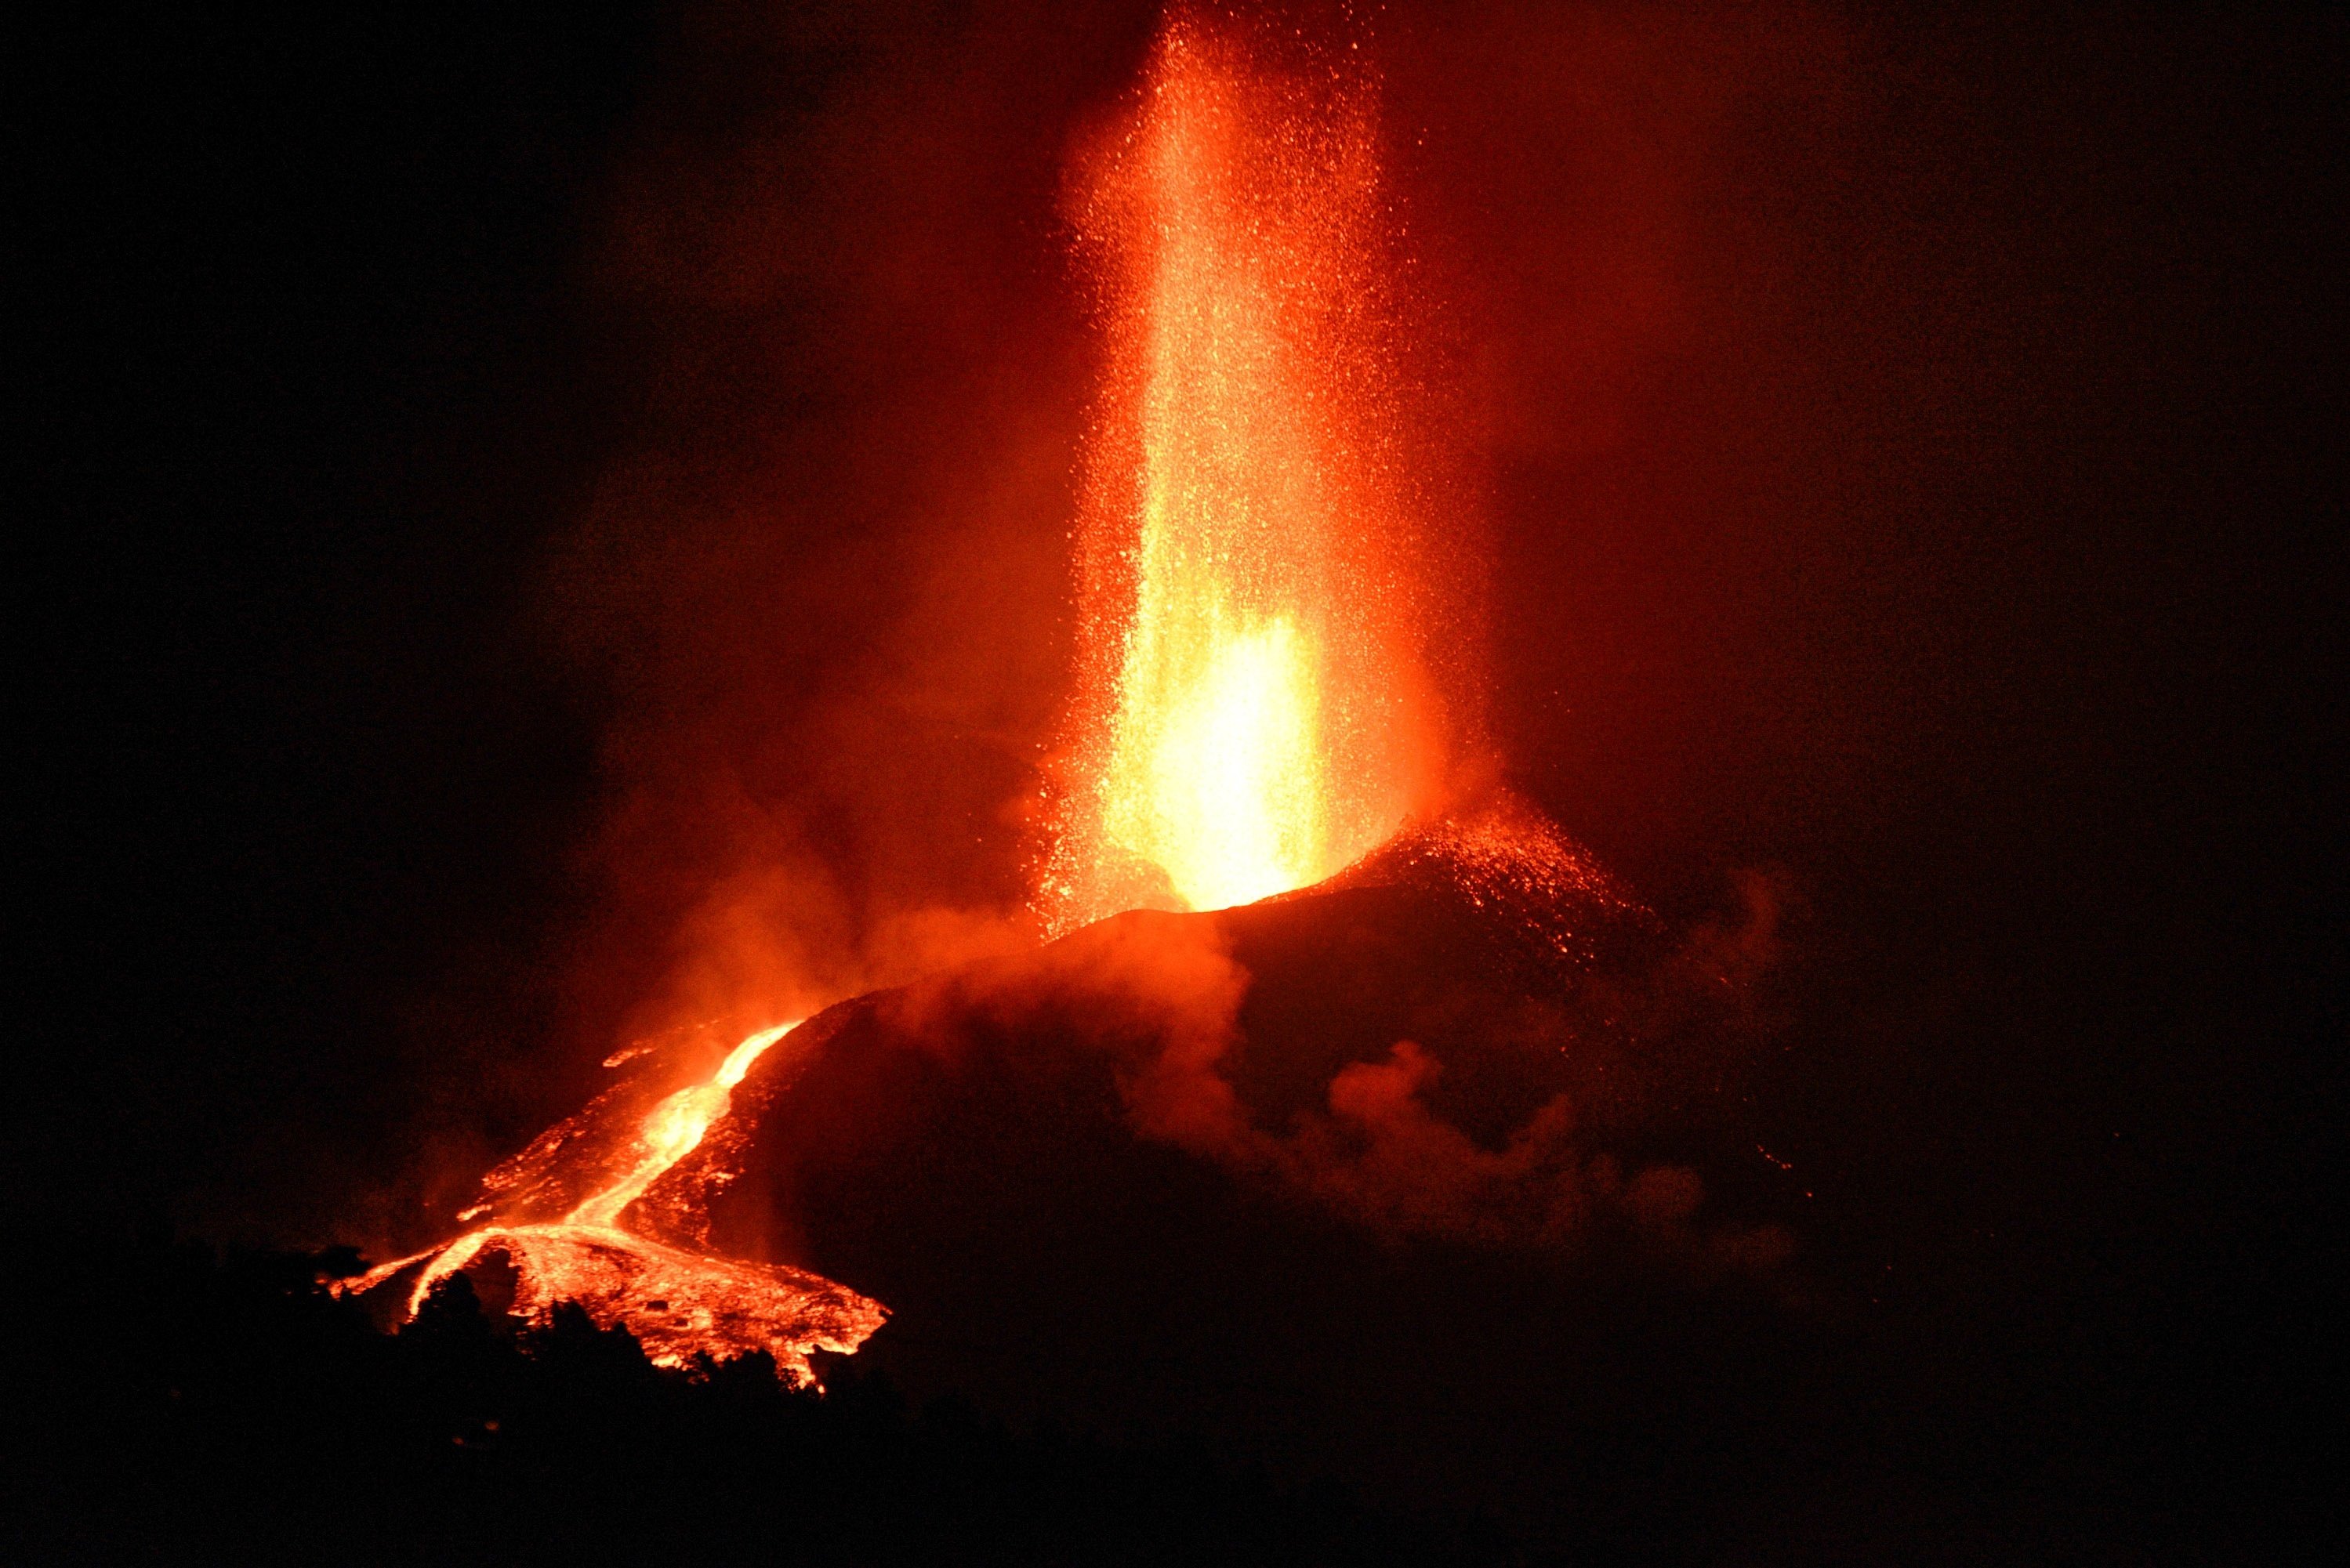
(1250, 715)
(679, 1304)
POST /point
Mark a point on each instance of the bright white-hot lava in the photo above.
(675, 1128)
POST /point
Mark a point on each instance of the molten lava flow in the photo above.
(1252, 715)
(680, 1304)
(674, 1130)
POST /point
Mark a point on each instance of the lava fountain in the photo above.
(1253, 711)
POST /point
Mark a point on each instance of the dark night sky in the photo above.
(1910, 469)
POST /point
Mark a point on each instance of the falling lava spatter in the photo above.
(680, 1304)
(1252, 715)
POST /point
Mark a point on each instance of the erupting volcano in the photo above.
(1260, 782)
(1413, 1041)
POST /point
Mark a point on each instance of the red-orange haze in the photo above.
(1253, 711)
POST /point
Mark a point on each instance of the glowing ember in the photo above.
(1252, 716)
(680, 1304)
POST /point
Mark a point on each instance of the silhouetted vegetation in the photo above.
(186, 1406)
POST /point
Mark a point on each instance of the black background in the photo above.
(1921, 486)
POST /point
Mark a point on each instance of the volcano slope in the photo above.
(1425, 1178)
(1403, 1179)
